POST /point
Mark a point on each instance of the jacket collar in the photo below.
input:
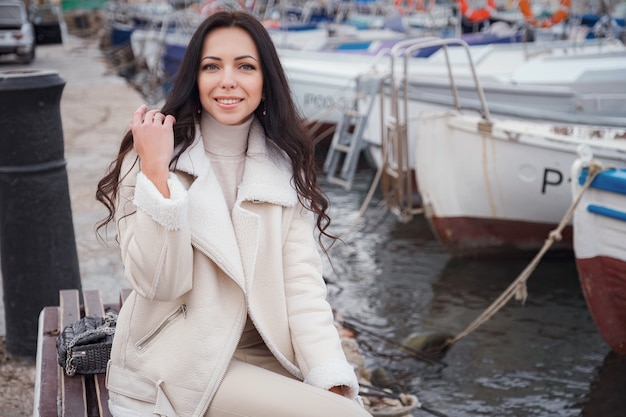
(267, 174)
(233, 245)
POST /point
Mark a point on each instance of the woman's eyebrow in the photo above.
(244, 57)
(238, 58)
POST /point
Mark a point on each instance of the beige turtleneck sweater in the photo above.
(226, 145)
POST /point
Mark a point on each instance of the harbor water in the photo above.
(543, 358)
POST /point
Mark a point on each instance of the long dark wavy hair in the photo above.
(283, 124)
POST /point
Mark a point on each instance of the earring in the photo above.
(264, 105)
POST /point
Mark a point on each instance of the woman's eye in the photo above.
(247, 67)
(209, 67)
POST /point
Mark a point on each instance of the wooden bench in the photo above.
(56, 394)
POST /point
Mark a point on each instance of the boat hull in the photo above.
(600, 248)
(472, 237)
(604, 285)
(499, 188)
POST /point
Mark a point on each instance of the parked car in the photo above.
(17, 34)
(50, 27)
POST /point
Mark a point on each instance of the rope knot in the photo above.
(556, 235)
(521, 292)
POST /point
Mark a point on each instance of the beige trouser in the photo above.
(256, 385)
(251, 391)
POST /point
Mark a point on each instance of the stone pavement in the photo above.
(96, 108)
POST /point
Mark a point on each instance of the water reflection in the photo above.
(543, 358)
(531, 359)
(606, 397)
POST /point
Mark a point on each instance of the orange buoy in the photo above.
(477, 15)
(557, 17)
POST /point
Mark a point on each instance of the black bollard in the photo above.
(37, 243)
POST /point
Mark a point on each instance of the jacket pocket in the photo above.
(145, 341)
(139, 387)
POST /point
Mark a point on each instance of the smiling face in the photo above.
(230, 80)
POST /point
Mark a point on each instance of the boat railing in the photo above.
(398, 185)
(404, 51)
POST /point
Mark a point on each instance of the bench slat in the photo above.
(94, 307)
(47, 377)
(124, 293)
(59, 395)
(71, 385)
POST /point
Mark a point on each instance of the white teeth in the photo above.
(228, 101)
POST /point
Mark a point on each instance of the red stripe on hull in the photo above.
(603, 280)
(467, 237)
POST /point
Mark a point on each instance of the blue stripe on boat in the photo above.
(606, 212)
(613, 180)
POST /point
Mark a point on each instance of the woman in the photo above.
(214, 199)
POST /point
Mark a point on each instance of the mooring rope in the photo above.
(416, 354)
(518, 287)
(365, 204)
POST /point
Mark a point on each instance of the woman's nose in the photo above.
(228, 81)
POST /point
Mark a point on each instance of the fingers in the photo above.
(153, 117)
(169, 120)
(160, 118)
(138, 115)
(157, 117)
(143, 116)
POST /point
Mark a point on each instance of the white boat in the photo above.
(578, 82)
(493, 185)
(599, 224)
(500, 186)
(489, 184)
(344, 37)
(174, 28)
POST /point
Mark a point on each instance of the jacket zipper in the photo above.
(145, 341)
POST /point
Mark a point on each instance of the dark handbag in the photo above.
(84, 347)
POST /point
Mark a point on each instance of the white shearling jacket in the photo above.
(196, 275)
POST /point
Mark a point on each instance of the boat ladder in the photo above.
(397, 180)
(348, 142)
(399, 185)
